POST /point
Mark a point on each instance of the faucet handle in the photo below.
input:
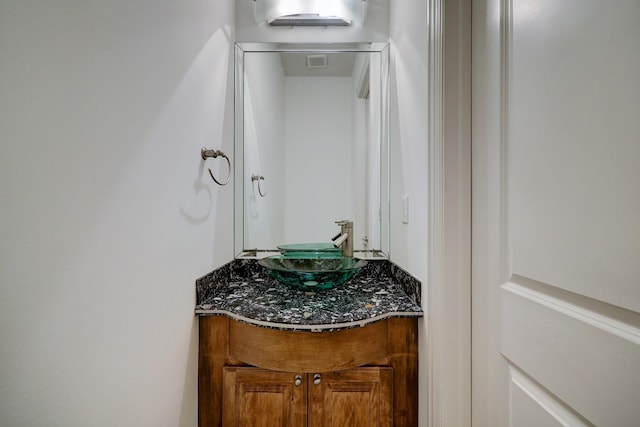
(344, 222)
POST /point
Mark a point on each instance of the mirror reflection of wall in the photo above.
(264, 147)
(318, 156)
(312, 128)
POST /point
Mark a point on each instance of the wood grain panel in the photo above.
(403, 357)
(307, 351)
(212, 355)
(261, 398)
(356, 398)
(390, 345)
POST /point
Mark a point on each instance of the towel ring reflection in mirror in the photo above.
(258, 178)
(215, 153)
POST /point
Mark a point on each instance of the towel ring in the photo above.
(258, 178)
(215, 153)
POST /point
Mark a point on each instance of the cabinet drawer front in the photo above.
(307, 351)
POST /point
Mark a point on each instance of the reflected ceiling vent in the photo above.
(316, 61)
(308, 20)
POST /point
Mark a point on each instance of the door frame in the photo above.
(449, 212)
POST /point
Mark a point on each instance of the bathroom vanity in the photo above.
(345, 356)
(311, 148)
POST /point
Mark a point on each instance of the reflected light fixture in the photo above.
(310, 12)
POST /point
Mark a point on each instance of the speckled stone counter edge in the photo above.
(242, 290)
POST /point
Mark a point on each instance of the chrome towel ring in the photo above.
(258, 178)
(215, 153)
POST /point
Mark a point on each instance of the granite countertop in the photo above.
(244, 291)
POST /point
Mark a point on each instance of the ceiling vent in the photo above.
(316, 61)
(308, 20)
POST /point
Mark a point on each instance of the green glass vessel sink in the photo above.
(299, 250)
(312, 274)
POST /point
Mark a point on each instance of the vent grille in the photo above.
(308, 20)
(316, 61)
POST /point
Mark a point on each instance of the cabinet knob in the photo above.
(298, 381)
(316, 379)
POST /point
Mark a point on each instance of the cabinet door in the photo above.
(260, 398)
(360, 397)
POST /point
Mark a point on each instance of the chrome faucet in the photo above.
(344, 238)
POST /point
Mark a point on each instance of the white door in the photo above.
(556, 213)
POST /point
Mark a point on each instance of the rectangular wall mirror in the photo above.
(311, 145)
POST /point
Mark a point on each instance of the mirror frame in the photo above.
(239, 174)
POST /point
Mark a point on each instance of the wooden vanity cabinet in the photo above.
(259, 397)
(254, 376)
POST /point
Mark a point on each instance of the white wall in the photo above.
(108, 215)
(408, 135)
(317, 156)
(264, 140)
(409, 155)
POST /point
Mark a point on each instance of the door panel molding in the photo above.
(617, 321)
(534, 397)
(581, 361)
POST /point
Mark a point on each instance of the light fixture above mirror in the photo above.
(310, 12)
